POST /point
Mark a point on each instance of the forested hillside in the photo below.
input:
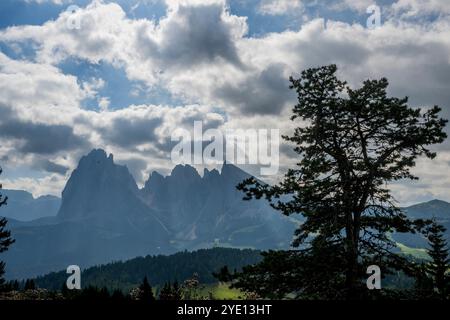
(158, 269)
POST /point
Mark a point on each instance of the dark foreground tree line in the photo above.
(190, 289)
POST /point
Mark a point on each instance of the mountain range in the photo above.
(435, 209)
(104, 216)
(22, 206)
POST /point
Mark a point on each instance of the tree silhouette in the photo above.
(29, 285)
(438, 251)
(118, 295)
(146, 291)
(166, 292)
(223, 275)
(5, 237)
(170, 292)
(176, 291)
(351, 144)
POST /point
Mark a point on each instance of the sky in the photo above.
(123, 75)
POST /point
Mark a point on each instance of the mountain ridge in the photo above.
(104, 216)
(23, 206)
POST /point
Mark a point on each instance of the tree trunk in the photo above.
(351, 277)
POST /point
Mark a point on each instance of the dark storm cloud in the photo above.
(38, 138)
(266, 93)
(51, 167)
(197, 34)
(131, 132)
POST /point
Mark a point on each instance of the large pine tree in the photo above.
(5, 237)
(351, 145)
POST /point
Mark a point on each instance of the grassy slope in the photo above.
(415, 252)
(221, 291)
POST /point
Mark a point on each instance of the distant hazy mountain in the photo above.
(23, 207)
(440, 210)
(435, 209)
(104, 217)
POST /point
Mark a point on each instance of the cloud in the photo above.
(36, 104)
(126, 132)
(192, 35)
(52, 184)
(138, 167)
(280, 7)
(40, 138)
(24, 84)
(92, 86)
(265, 93)
(200, 53)
(148, 128)
(50, 166)
(357, 5)
(433, 184)
(103, 103)
(414, 8)
(101, 35)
